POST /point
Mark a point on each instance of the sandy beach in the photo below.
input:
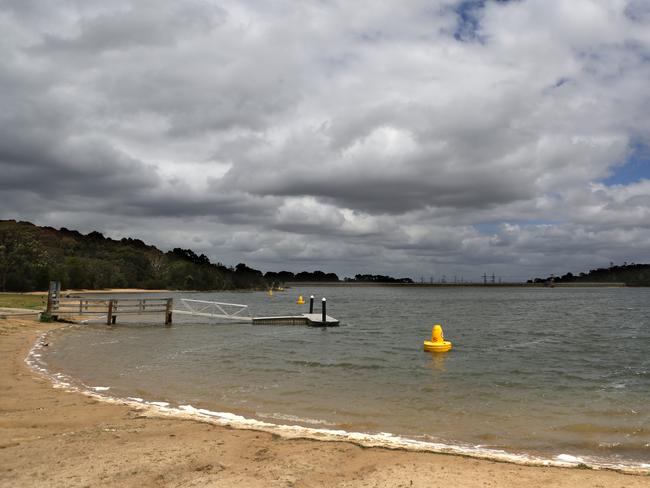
(54, 438)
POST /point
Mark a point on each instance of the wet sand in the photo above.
(54, 438)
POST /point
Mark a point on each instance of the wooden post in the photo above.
(168, 311)
(53, 296)
(109, 314)
(311, 304)
(48, 308)
(324, 312)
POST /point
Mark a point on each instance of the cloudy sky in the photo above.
(411, 138)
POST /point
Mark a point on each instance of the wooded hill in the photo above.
(630, 274)
(31, 256)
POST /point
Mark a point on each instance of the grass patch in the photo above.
(22, 300)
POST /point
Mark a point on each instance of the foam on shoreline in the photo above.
(383, 440)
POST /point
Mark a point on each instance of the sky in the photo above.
(413, 138)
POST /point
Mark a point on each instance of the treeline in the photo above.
(370, 278)
(31, 256)
(288, 276)
(631, 274)
(321, 277)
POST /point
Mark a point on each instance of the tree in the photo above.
(19, 252)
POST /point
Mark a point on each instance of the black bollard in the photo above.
(324, 311)
(311, 304)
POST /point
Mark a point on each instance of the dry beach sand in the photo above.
(54, 438)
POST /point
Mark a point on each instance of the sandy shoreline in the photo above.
(50, 437)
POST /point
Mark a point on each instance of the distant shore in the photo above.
(339, 283)
(54, 438)
(457, 285)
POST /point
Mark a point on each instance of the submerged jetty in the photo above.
(311, 319)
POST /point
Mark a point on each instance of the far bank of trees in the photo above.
(370, 278)
(631, 274)
(304, 276)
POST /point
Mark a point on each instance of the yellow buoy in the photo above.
(270, 292)
(437, 342)
(301, 300)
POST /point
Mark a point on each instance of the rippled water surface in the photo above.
(542, 371)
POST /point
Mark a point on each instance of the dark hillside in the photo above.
(31, 256)
(630, 274)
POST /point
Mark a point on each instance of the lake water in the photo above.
(553, 374)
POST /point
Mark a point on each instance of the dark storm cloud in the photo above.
(233, 208)
(30, 160)
(141, 24)
(383, 194)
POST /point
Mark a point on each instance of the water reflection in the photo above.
(437, 362)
